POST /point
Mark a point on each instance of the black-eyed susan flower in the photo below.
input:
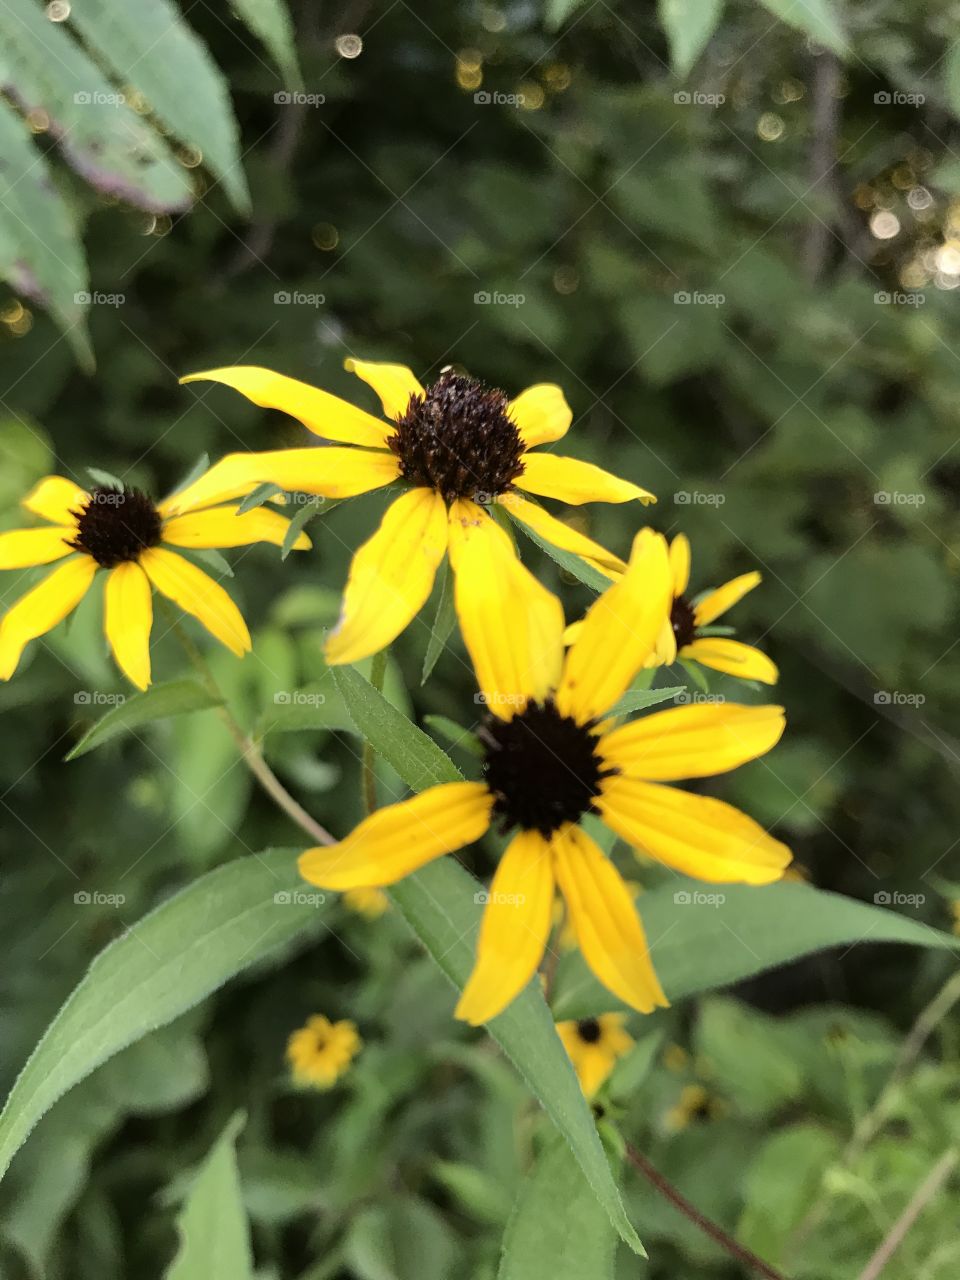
(459, 448)
(594, 1045)
(550, 758)
(123, 531)
(320, 1052)
(695, 1103)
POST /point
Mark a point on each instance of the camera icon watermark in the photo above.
(298, 898)
(294, 298)
(697, 898)
(897, 298)
(696, 697)
(298, 698)
(683, 298)
(295, 98)
(483, 898)
(98, 698)
(488, 98)
(896, 899)
(95, 898)
(484, 298)
(694, 98)
(698, 498)
(894, 498)
(897, 698)
(97, 299)
(897, 98)
(97, 98)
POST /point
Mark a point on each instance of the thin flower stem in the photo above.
(930, 1187)
(378, 672)
(250, 752)
(689, 1211)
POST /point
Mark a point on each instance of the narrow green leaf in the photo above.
(211, 557)
(172, 698)
(640, 699)
(315, 706)
(258, 496)
(190, 945)
(815, 18)
(105, 478)
(213, 1226)
(571, 564)
(269, 20)
(455, 734)
(297, 522)
(443, 623)
(689, 25)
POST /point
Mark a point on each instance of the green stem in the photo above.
(378, 671)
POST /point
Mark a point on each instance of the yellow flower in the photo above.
(460, 447)
(593, 1046)
(549, 759)
(121, 530)
(367, 902)
(321, 1052)
(694, 1103)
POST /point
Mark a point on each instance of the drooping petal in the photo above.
(330, 472)
(197, 594)
(561, 535)
(391, 576)
(127, 619)
(55, 498)
(680, 563)
(605, 920)
(400, 838)
(717, 602)
(576, 482)
(222, 527)
(541, 414)
(693, 741)
(320, 412)
(733, 658)
(512, 626)
(697, 835)
(516, 925)
(393, 383)
(23, 548)
(39, 611)
(618, 633)
(665, 652)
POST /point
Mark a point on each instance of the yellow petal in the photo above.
(593, 1063)
(127, 619)
(694, 741)
(605, 920)
(39, 611)
(618, 633)
(320, 412)
(512, 626)
(222, 527)
(717, 602)
(399, 839)
(393, 383)
(55, 498)
(697, 835)
(23, 548)
(197, 594)
(561, 535)
(516, 925)
(330, 472)
(733, 658)
(576, 482)
(680, 563)
(541, 414)
(391, 576)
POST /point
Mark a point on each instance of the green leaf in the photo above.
(455, 734)
(270, 22)
(41, 255)
(190, 945)
(570, 563)
(215, 1234)
(707, 936)
(315, 706)
(295, 527)
(105, 478)
(443, 623)
(258, 496)
(951, 76)
(557, 12)
(201, 465)
(149, 45)
(815, 18)
(640, 699)
(558, 1228)
(172, 698)
(689, 25)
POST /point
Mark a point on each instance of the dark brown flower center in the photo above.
(683, 622)
(459, 440)
(542, 768)
(116, 524)
(588, 1029)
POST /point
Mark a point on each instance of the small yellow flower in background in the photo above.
(460, 447)
(369, 902)
(675, 1057)
(594, 1046)
(322, 1051)
(123, 531)
(551, 757)
(695, 1103)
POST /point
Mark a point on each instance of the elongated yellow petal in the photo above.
(733, 658)
(127, 619)
(680, 563)
(512, 626)
(391, 576)
(698, 835)
(329, 472)
(665, 651)
(197, 594)
(605, 920)
(618, 633)
(39, 611)
(576, 482)
(561, 535)
(320, 412)
(399, 839)
(55, 498)
(23, 548)
(717, 602)
(541, 414)
(222, 527)
(693, 741)
(393, 383)
(516, 925)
